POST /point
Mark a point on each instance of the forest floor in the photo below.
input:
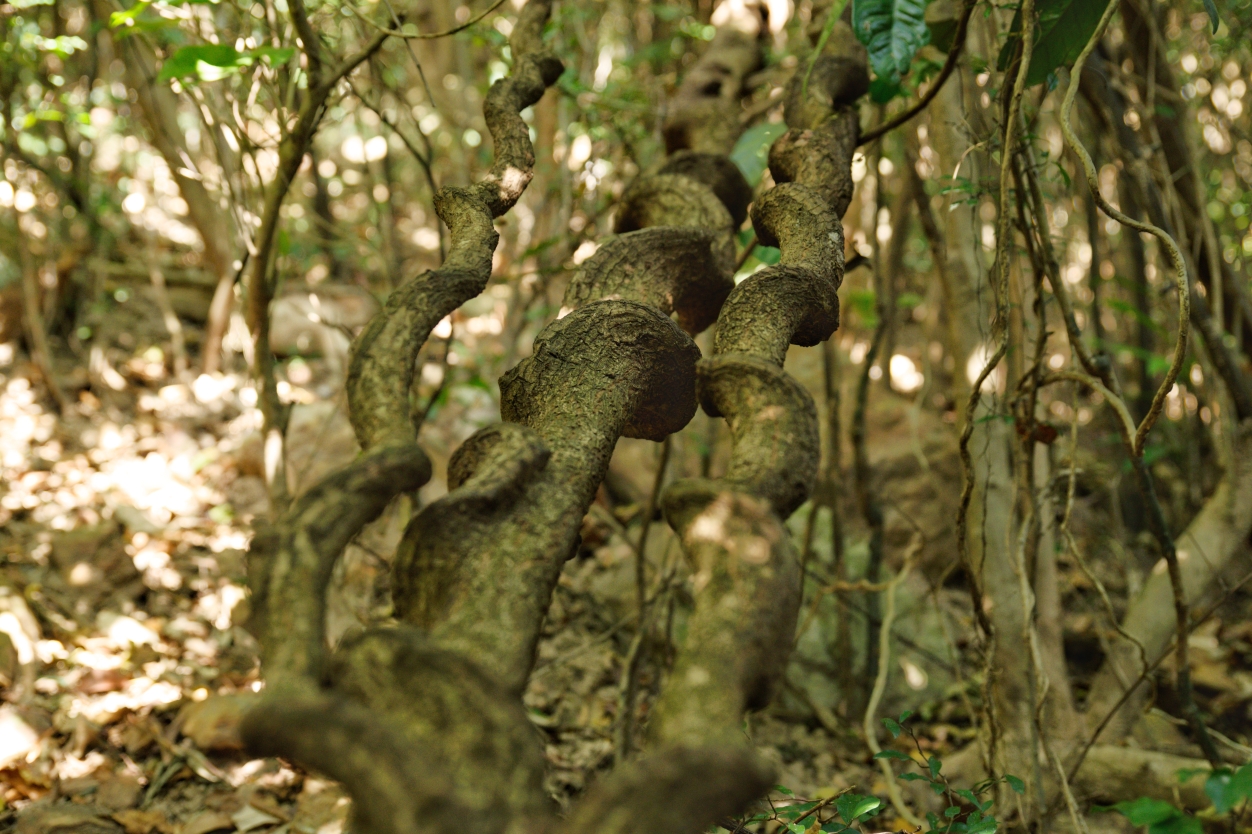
(124, 663)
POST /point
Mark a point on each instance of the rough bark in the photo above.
(746, 573)
(423, 721)
(384, 355)
(392, 707)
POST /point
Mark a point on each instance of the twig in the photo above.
(629, 688)
(35, 330)
(417, 36)
(1156, 516)
(1143, 676)
(870, 508)
(1167, 240)
(880, 683)
(747, 253)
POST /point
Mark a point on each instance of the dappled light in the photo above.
(533, 417)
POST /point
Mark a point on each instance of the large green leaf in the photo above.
(1063, 30)
(892, 31)
(1159, 816)
(130, 15)
(751, 152)
(212, 62)
(1214, 18)
(852, 806)
(1227, 789)
(208, 62)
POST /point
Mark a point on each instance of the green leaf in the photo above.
(208, 62)
(1016, 784)
(767, 254)
(951, 811)
(800, 808)
(784, 790)
(912, 777)
(1143, 811)
(892, 31)
(1227, 789)
(892, 754)
(1063, 29)
(905, 716)
(892, 727)
(273, 55)
(851, 806)
(38, 116)
(1181, 824)
(883, 90)
(1216, 788)
(1241, 784)
(128, 17)
(751, 152)
(935, 765)
(986, 825)
(1211, 8)
(145, 26)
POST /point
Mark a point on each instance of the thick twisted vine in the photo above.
(484, 587)
(477, 568)
(746, 574)
(384, 355)
(383, 704)
(422, 720)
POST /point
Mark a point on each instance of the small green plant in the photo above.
(835, 814)
(968, 812)
(1228, 790)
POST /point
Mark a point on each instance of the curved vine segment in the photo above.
(424, 739)
(383, 358)
(704, 112)
(422, 721)
(747, 578)
(477, 568)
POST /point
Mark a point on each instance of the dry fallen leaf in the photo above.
(213, 724)
(64, 818)
(206, 822)
(119, 793)
(135, 821)
(249, 817)
(17, 738)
